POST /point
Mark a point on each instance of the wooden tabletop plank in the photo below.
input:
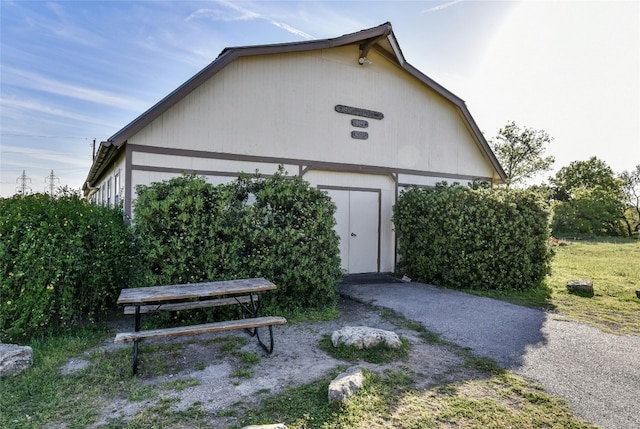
(194, 290)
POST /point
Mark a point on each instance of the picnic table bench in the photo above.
(243, 292)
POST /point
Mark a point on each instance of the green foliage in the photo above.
(188, 231)
(292, 241)
(631, 191)
(485, 239)
(61, 261)
(278, 228)
(589, 212)
(584, 175)
(590, 200)
(520, 152)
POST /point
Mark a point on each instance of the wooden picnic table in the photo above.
(140, 295)
(244, 292)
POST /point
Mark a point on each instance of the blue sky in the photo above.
(72, 71)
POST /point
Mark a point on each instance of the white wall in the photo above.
(117, 168)
(283, 106)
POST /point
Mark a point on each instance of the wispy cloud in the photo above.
(31, 80)
(46, 155)
(441, 6)
(58, 24)
(292, 30)
(244, 14)
(34, 106)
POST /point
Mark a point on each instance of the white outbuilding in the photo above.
(347, 114)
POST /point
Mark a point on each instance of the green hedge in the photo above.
(62, 261)
(485, 239)
(278, 228)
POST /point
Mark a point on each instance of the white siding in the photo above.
(189, 163)
(283, 106)
(261, 111)
(102, 187)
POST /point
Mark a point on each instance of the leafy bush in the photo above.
(61, 261)
(189, 231)
(485, 239)
(277, 228)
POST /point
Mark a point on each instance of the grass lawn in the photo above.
(614, 268)
(42, 397)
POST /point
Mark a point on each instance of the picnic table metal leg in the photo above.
(135, 343)
(253, 310)
(137, 322)
(269, 349)
(135, 357)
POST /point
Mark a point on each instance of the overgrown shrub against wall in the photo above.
(485, 239)
(278, 228)
(62, 260)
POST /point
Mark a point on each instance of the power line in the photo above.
(46, 137)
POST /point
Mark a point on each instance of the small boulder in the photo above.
(14, 359)
(275, 426)
(346, 384)
(638, 293)
(585, 286)
(363, 337)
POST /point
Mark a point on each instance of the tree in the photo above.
(584, 175)
(521, 152)
(631, 191)
(589, 199)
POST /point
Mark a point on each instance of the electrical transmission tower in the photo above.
(51, 179)
(23, 188)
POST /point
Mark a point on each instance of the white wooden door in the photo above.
(358, 226)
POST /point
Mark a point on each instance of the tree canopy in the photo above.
(584, 175)
(589, 199)
(520, 152)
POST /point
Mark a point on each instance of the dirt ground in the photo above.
(296, 360)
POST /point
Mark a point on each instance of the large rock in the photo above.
(346, 384)
(14, 359)
(580, 286)
(363, 337)
(275, 426)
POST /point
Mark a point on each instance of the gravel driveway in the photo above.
(597, 373)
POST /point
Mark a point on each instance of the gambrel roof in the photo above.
(380, 38)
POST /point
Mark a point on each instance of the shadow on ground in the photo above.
(490, 328)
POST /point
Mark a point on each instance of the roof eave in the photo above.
(106, 151)
(228, 55)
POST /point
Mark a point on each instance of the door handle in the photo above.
(353, 234)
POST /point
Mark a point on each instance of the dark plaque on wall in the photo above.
(356, 111)
(359, 123)
(360, 135)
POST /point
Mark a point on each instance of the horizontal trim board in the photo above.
(307, 164)
(348, 188)
(185, 171)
